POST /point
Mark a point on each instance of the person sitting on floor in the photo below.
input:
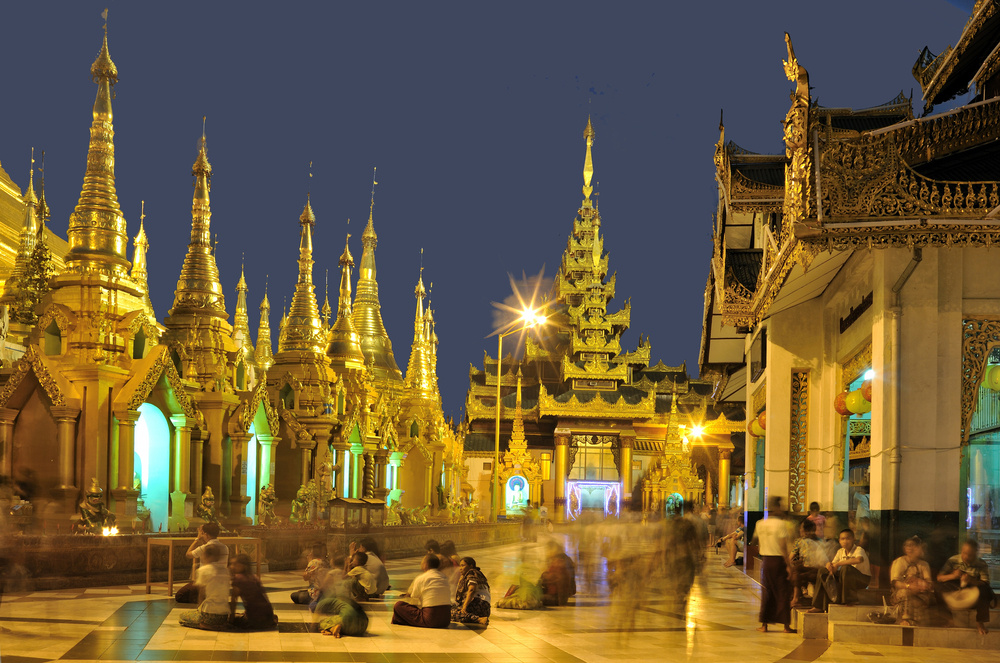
(208, 537)
(359, 583)
(316, 569)
(473, 595)
(558, 581)
(848, 572)
(429, 597)
(966, 573)
(213, 590)
(340, 615)
(911, 583)
(733, 542)
(374, 565)
(257, 614)
(808, 557)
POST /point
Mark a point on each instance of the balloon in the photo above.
(755, 429)
(840, 404)
(762, 420)
(866, 390)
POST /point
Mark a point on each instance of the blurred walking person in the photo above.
(772, 534)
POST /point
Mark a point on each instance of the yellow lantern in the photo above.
(993, 378)
(755, 429)
(857, 404)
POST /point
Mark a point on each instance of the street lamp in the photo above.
(529, 319)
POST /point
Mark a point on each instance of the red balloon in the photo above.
(762, 420)
(840, 404)
(866, 390)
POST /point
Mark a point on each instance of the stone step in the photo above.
(859, 613)
(916, 636)
(811, 626)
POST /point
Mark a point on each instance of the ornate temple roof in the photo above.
(303, 330)
(344, 349)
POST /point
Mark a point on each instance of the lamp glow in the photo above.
(869, 374)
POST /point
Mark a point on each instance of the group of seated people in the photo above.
(962, 583)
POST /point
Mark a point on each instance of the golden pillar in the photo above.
(626, 442)
(123, 488)
(724, 463)
(305, 470)
(562, 471)
(181, 459)
(7, 417)
(65, 419)
(238, 496)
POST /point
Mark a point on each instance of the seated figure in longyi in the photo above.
(94, 516)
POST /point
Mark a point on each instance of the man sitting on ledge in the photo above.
(429, 595)
(966, 574)
(848, 572)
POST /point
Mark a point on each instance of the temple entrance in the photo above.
(151, 458)
(597, 497)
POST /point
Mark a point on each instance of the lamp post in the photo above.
(529, 319)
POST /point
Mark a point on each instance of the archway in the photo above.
(152, 457)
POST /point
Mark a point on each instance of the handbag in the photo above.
(832, 587)
(962, 599)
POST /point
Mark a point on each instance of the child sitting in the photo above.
(213, 594)
(258, 613)
(358, 581)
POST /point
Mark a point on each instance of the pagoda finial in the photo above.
(241, 319)
(97, 231)
(199, 288)
(263, 356)
(28, 236)
(344, 348)
(43, 205)
(588, 164)
(303, 330)
(140, 271)
(367, 310)
(418, 372)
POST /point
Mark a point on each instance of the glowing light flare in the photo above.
(109, 531)
(869, 374)
(697, 431)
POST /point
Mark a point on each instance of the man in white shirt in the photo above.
(208, 537)
(848, 572)
(213, 583)
(430, 598)
(776, 598)
(374, 565)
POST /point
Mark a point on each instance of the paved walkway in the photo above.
(123, 623)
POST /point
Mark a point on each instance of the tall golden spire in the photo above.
(199, 289)
(418, 372)
(517, 427)
(432, 342)
(588, 164)
(140, 272)
(367, 310)
(97, 233)
(326, 311)
(344, 349)
(303, 329)
(44, 214)
(263, 356)
(241, 319)
(27, 237)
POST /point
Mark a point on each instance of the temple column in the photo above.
(7, 417)
(341, 468)
(395, 462)
(369, 477)
(123, 489)
(238, 496)
(305, 456)
(265, 471)
(357, 469)
(562, 471)
(626, 442)
(180, 506)
(65, 427)
(724, 460)
(382, 469)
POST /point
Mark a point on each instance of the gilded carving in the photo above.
(759, 399)
(979, 336)
(798, 172)
(856, 365)
(31, 360)
(798, 444)
(163, 365)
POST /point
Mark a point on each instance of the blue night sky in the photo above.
(473, 113)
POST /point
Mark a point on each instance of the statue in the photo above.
(206, 510)
(141, 524)
(265, 506)
(393, 515)
(300, 506)
(94, 516)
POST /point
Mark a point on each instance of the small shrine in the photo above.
(520, 477)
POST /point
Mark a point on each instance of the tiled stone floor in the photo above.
(124, 624)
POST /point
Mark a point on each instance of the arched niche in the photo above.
(151, 459)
